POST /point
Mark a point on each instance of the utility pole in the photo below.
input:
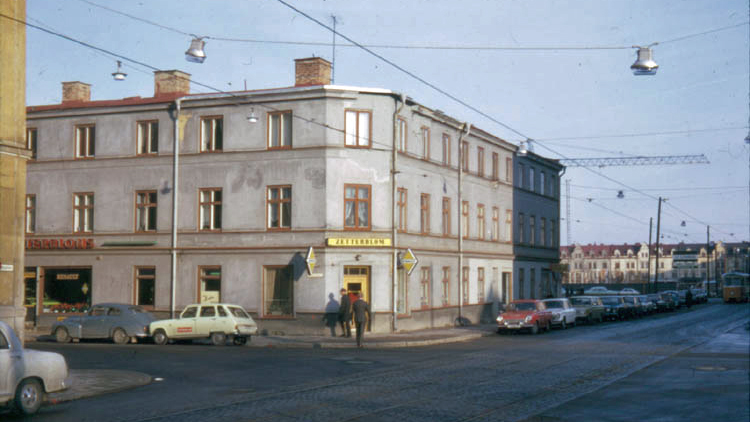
(658, 227)
(333, 62)
(648, 270)
(567, 210)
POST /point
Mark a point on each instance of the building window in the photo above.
(532, 283)
(425, 132)
(446, 284)
(446, 216)
(30, 213)
(521, 233)
(552, 187)
(85, 141)
(508, 225)
(83, 212)
(402, 288)
(279, 291)
(279, 200)
(521, 179)
(542, 183)
(521, 281)
(508, 169)
(480, 221)
(532, 230)
(480, 284)
(210, 209)
(357, 207)
(465, 155)
(280, 130)
(495, 224)
(147, 142)
(446, 149)
(543, 232)
(425, 288)
(357, 128)
(402, 209)
(531, 186)
(209, 284)
(495, 166)
(402, 135)
(552, 234)
(145, 286)
(465, 218)
(424, 220)
(212, 134)
(480, 161)
(465, 284)
(31, 141)
(145, 211)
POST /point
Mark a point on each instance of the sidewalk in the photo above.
(378, 340)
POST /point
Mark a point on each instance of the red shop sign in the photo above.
(59, 243)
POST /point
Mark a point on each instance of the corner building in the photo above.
(360, 175)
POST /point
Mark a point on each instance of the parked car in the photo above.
(524, 315)
(629, 291)
(215, 321)
(634, 303)
(598, 290)
(563, 313)
(27, 375)
(678, 301)
(615, 308)
(671, 302)
(649, 303)
(588, 308)
(699, 295)
(661, 304)
(116, 321)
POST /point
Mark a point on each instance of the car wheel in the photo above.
(218, 339)
(535, 328)
(61, 335)
(119, 336)
(564, 324)
(29, 396)
(240, 341)
(160, 337)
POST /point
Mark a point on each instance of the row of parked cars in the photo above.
(599, 304)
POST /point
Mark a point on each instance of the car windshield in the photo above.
(522, 306)
(554, 303)
(608, 300)
(580, 301)
(238, 312)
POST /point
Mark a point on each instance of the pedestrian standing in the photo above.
(345, 314)
(361, 311)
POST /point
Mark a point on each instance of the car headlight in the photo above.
(528, 318)
(500, 318)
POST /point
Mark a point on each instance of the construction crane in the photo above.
(623, 161)
(640, 160)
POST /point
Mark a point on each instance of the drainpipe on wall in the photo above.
(175, 184)
(394, 154)
(464, 133)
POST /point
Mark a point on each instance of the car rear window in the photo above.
(554, 303)
(238, 312)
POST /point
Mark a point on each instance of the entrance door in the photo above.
(357, 280)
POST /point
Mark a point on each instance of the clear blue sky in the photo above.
(589, 97)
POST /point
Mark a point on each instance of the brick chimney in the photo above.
(312, 71)
(171, 82)
(75, 92)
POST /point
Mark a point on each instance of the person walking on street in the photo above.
(689, 298)
(361, 311)
(345, 314)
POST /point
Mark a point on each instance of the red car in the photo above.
(529, 315)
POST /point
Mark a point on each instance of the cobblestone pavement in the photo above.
(498, 378)
(93, 382)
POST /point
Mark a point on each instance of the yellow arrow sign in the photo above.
(310, 260)
(409, 261)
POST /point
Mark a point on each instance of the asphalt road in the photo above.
(683, 366)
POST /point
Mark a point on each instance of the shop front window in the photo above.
(279, 297)
(67, 290)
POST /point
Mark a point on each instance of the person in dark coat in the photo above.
(689, 298)
(345, 314)
(361, 311)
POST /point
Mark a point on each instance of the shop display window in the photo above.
(67, 290)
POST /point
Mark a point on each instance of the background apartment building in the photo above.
(359, 174)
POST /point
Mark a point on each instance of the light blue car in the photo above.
(116, 321)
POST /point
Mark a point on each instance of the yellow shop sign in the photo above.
(357, 241)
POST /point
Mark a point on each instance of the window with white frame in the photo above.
(212, 134)
(210, 209)
(425, 135)
(83, 212)
(147, 134)
(279, 202)
(145, 211)
(357, 128)
(85, 141)
(30, 213)
(280, 130)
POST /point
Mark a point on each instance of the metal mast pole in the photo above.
(708, 255)
(658, 227)
(650, 228)
(333, 62)
(567, 210)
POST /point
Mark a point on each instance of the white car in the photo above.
(27, 375)
(563, 313)
(215, 321)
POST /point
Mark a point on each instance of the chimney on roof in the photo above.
(171, 82)
(312, 71)
(73, 92)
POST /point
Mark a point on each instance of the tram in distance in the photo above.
(736, 287)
